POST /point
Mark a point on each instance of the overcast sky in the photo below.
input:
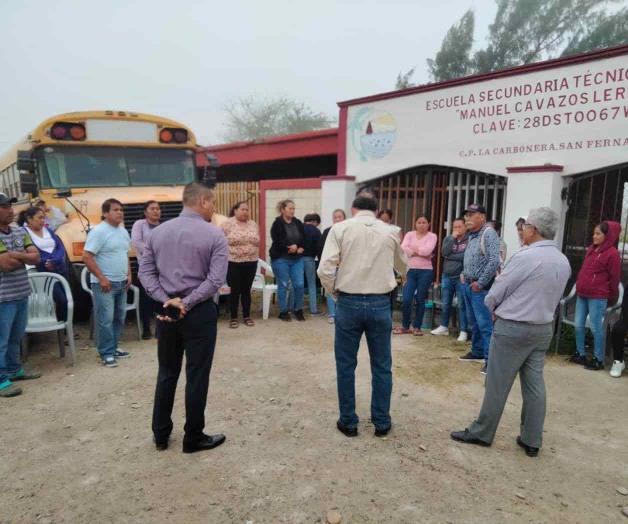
(185, 59)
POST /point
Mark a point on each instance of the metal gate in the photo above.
(592, 198)
(441, 193)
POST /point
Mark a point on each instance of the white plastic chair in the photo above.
(42, 312)
(134, 305)
(259, 284)
(567, 313)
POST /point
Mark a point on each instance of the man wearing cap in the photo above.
(523, 301)
(481, 261)
(16, 250)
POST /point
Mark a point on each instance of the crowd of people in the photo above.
(360, 261)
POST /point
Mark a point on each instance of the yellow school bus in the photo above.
(75, 161)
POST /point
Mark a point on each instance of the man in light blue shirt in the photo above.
(523, 302)
(106, 256)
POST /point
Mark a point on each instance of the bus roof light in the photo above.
(165, 136)
(77, 132)
(58, 132)
(67, 131)
(180, 136)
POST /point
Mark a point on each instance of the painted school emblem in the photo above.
(372, 133)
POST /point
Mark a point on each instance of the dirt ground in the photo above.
(77, 445)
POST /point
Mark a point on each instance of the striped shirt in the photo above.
(14, 285)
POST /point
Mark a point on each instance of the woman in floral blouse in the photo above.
(243, 238)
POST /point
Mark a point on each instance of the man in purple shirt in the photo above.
(183, 265)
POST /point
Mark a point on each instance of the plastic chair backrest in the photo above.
(41, 305)
(266, 267)
(84, 281)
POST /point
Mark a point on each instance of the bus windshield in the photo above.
(87, 166)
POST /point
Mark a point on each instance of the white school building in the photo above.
(548, 134)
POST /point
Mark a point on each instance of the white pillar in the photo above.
(336, 193)
(529, 190)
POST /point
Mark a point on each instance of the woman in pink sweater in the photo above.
(419, 246)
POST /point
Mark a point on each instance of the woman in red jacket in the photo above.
(596, 287)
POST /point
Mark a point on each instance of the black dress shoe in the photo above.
(146, 335)
(382, 432)
(298, 314)
(530, 451)
(203, 444)
(467, 438)
(160, 444)
(346, 431)
(285, 316)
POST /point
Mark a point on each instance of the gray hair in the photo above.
(545, 220)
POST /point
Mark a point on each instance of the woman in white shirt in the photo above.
(53, 257)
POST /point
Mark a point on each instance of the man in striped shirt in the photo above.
(16, 249)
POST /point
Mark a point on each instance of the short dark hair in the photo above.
(106, 205)
(312, 217)
(235, 207)
(193, 192)
(40, 203)
(365, 202)
(388, 212)
(460, 219)
(422, 215)
(149, 203)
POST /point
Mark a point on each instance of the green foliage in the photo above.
(453, 59)
(404, 80)
(526, 31)
(249, 118)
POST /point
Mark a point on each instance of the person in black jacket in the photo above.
(286, 256)
(337, 216)
(311, 245)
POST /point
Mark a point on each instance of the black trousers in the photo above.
(148, 308)
(194, 334)
(618, 337)
(240, 276)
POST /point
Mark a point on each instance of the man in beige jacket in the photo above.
(357, 267)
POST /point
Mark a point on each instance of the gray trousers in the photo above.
(516, 347)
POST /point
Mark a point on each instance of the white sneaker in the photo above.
(440, 330)
(617, 369)
(463, 337)
(331, 320)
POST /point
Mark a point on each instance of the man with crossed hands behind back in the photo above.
(183, 266)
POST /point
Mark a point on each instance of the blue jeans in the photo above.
(479, 321)
(331, 306)
(13, 319)
(594, 308)
(448, 288)
(309, 268)
(355, 315)
(109, 316)
(419, 282)
(289, 271)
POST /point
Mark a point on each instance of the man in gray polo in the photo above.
(16, 250)
(523, 301)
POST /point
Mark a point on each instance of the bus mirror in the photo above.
(28, 183)
(25, 162)
(208, 174)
